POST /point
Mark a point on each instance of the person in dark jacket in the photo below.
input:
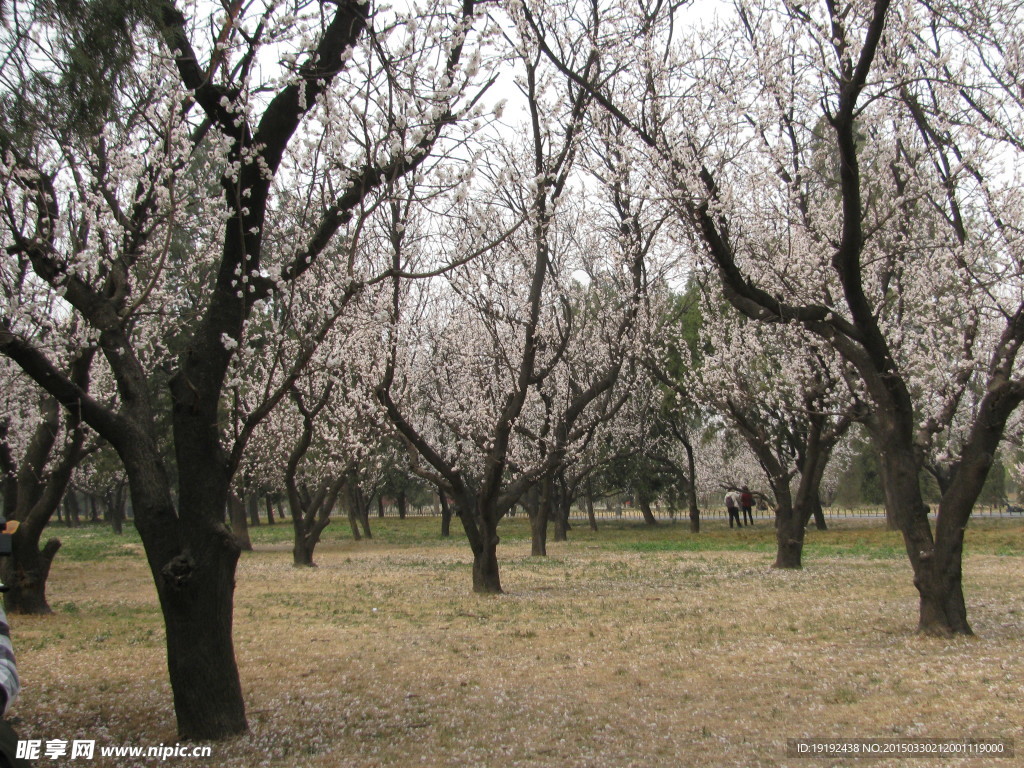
(747, 505)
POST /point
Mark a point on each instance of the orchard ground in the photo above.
(626, 647)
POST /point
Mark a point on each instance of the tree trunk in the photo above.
(252, 502)
(197, 594)
(589, 501)
(446, 515)
(270, 509)
(644, 502)
(943, 611)
(192, 556)
(239, 522)
(302, 546)
(560, 503)
(486, 579)
(71, 514)
(26, 572)
(403, 505)
(789, 527)
(818, 514)
(380, 506)
(481, 527)
(891, 521)
(537, 505)
(302, 553)
(937, 570)
(38, 497)
(364, 520)
(789, 534)
(358, 503)
(691, 489)
(118, 508)
(353, 521)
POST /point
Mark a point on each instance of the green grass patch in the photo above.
(851, 537)
(93, 542)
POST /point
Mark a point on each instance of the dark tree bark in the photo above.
(71, 511)
(644, 502)
(364, 513)
(239, 522)
(691, 488)
(446, 514)
(117, 505)
(818, 514)
(270, 509)
(561, 502)
(589, 501)
(481, 526)
(252, 504)
(354, 513)
(538, 506)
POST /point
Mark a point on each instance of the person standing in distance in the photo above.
(747, 505)
(732, 507)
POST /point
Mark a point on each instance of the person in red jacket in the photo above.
(747, 505)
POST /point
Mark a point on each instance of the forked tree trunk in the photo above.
(311, 514)
(793, 515)
(481, 527)
(34, 496)
(937, 569)
(486, 579)
(26, 572)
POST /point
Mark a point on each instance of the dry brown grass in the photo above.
(594, 657)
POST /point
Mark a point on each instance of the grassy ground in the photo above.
(628, 647)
